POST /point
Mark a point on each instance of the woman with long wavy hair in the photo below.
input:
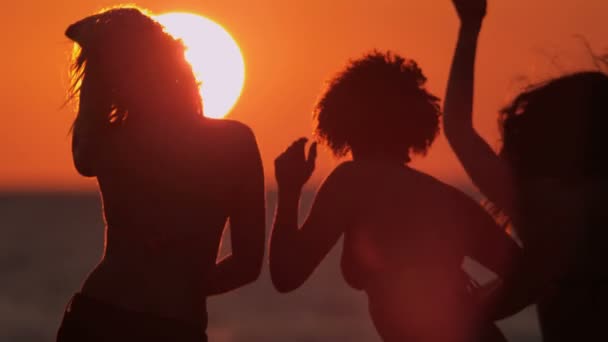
(549, 179)
(169, 179)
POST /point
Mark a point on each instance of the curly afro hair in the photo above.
(378, 104)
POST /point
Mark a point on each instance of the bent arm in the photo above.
(296, 252)
(492, 247)
(514, 294)
(547, 257)
(528, 281)
(90, 127)
(86, 145)
(247, 226)
(487, 171)
(495, 249)
(525, 274)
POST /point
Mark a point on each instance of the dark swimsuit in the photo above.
(89, 319)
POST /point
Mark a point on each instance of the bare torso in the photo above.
(406, 250)
(165, 197)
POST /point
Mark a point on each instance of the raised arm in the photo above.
(296, 252)
(247, 223)
(487, 171)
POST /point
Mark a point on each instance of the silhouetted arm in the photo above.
(296, 252)
(525, 274)
(529, 273)
(546, 256)
(523, 279)
(483, 166)
(247, 224)
(515, 293)
(90, 127)
(528, 281)
(491, 245)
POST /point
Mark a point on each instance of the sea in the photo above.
(50, 241)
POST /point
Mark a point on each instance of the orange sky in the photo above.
(290, 48)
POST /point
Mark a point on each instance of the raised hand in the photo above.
(292, 168)
(471, 12)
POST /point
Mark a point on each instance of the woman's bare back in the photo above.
(166, 200)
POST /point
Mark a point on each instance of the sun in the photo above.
(215, 57)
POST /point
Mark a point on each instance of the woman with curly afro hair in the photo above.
(405, 233)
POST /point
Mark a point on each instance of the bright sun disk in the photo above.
(215, 57)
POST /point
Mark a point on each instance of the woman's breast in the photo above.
(372, 256)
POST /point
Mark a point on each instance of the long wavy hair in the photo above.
(554, 131)
(134, 66)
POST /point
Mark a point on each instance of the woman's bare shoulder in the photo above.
(225, 134)
(343, 174)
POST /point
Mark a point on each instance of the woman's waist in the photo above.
(418, 287)
(168, 292)
(85, 309)
(425, 313)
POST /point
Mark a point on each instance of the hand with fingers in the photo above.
(471, 12)
(292, 168)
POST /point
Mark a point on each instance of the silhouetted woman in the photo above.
(169, 178)
(549, 179)
(405, 233)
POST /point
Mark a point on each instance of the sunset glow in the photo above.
(291, 48)
(215, 57)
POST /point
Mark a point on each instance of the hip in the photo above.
(90, 319)
(175, 295)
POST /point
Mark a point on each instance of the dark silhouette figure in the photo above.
(405, 233)
(549, 179)
(169, 177)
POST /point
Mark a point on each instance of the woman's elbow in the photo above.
(84, 169)
(83, 163)
(283, 278)
(252, 271)
(283, 284)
